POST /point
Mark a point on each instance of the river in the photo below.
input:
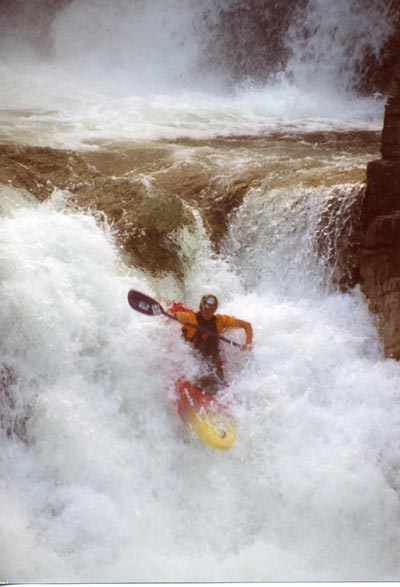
(100, 481)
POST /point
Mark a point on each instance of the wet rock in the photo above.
(40, 169)
(148, 201)
(147, 220)
(339, 235)
(383, 188)
(146, 198)
(249, 39)
(380, 255)
(12, 422)
(375, 70)
(213, 194)
(391, 124)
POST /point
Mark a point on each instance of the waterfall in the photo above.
(176, 148)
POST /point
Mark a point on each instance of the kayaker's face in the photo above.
(207, 312)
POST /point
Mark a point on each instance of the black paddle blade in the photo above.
(144, 304)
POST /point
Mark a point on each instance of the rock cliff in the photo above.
(380, 255)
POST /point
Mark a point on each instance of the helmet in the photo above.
(209, 301)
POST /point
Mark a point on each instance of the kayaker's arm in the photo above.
(247, 327)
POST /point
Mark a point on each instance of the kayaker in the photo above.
(207, 343)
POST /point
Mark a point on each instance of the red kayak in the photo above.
(206, 415)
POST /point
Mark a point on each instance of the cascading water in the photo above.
(329, 43)
(165, 69)
(100, 480)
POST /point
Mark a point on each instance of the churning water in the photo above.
(99, 479)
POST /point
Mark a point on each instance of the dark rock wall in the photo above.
(380, 256)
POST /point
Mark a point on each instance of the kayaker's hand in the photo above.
(247, 347)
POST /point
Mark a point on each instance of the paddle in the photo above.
(146, 305)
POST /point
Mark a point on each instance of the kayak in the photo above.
(204, 413)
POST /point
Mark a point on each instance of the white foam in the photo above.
(111, 488)
(87, 119)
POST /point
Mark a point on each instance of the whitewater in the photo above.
(100, 481)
